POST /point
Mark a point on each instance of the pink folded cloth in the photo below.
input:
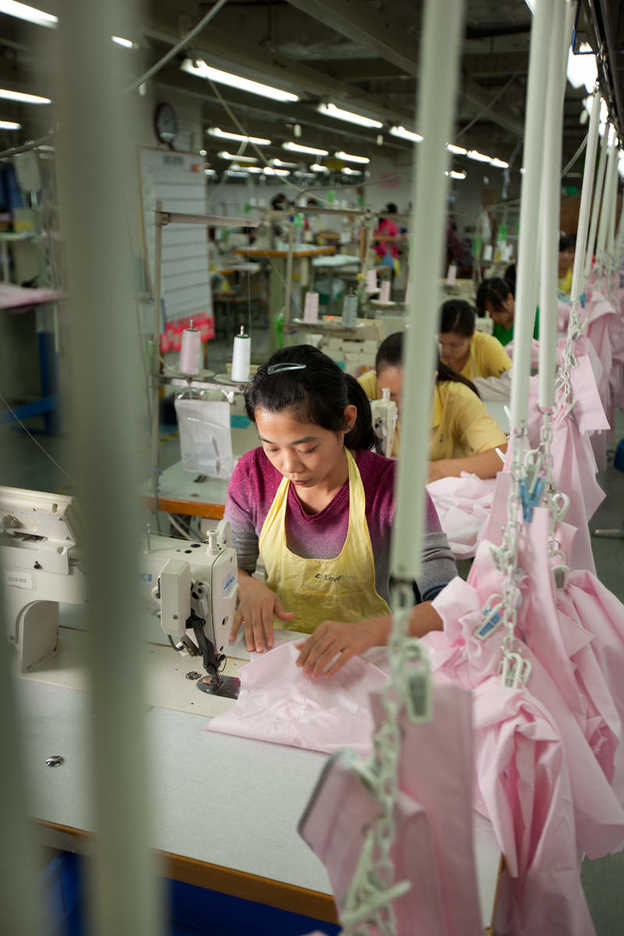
(509, 348)
(16, 297)
(279, 703)
(463, 505)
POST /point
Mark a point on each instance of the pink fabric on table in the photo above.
(22, 297)
(335, 824)
(509, 348)
(280, 704)
(463, 506)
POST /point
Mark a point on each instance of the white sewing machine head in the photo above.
(191, 586)
(384, 414)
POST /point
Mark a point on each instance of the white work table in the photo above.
(218, 823)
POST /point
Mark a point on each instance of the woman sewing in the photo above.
(315, 505)
(464, 437)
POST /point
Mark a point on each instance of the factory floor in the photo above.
(41, 465)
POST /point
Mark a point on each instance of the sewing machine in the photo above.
(384, 413)
(191, 587)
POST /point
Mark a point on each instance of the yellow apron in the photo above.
(317, 590)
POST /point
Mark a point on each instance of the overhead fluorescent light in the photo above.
(124, 43)
(22, 98)
(30, 14)
(478, 157)
(210, 172)
(237, 174)
(201, 69)
(316, 167)
(202, 152)
(236, 158)
(499, 163)
(269, 170)
(10, 125)
(283, 165)
(349, 157)
(457, 150)
(406, 134)
(300, 148)
(239, 137)
(331, 110)
(582, 68)
(348, 171)
(456, 174)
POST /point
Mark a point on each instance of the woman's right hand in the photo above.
(257, 606)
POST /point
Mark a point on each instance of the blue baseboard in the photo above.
(192, 911)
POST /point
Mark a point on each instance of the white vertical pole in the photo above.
(586, 197)
(551, 201)
(20, 903)
(97, 177)
(606, 198)
(598, 193)
(541, 34)
(440, 47)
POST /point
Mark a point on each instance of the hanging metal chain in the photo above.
(515, 669)
(368, 902)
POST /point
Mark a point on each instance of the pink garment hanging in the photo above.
(335, 824)
(462, 657)
(436, 769)
(524, 789)
(280, 704)
(434, 820)
(463, 506)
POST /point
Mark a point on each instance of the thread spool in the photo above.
(311, 307)
(371, 281)
(190, 352)
(349, 311)
(241, 357)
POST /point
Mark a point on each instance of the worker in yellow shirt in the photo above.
(479, 357)
(464, 437)
(567, 246)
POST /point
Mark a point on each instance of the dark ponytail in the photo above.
(457, 316)
(316, 388)
(446, 374)
(362, 436)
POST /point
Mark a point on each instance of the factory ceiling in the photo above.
(362, 55)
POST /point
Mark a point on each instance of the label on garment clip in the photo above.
(491, 621)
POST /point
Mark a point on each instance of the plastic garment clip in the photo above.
(416, 678)
(531, 487)
(492, 616)
(560, 570)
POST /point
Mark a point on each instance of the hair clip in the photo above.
(284, 366)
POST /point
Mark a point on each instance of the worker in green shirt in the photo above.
(495, 298)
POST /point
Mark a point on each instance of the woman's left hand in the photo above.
(339, 641)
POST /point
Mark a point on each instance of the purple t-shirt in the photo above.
(253, 487)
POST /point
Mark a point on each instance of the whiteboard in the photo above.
(178, 181)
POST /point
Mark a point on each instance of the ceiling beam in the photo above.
(495, 113)
(257, 63)
(496, 65)
(362, 24)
